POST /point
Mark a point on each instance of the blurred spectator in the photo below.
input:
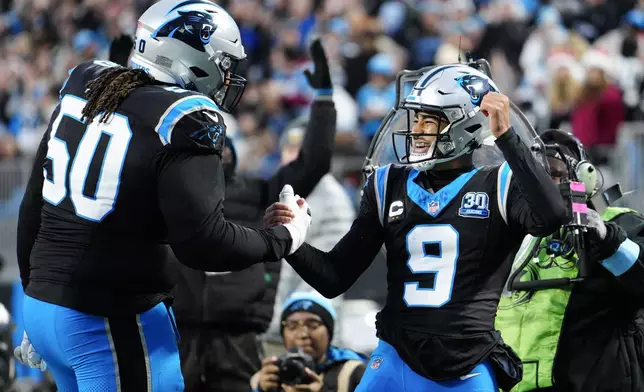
(336, 216)
(599, 110)
(219, 315)
(564, 87)
(307, 326)
(378, 96)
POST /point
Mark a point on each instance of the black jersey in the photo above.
(447, 261)
(447, 254)
(94, 223)
(446, 250)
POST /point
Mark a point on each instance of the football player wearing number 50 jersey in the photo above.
(448, 228)
(130, 163)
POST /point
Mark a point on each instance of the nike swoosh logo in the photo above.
(465, 377)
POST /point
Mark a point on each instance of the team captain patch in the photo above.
(474, 205)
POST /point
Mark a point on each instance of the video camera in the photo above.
(574, 194)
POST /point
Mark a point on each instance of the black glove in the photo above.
(600, 249)
(596, 225)
(320, 79)
(120, 49)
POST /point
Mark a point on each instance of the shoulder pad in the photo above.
(82, 74)
(191, 120)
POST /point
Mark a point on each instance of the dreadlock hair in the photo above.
(109, 90)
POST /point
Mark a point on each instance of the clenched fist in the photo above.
(496, 107)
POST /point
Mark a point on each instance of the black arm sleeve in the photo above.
(534, 203)
(332, 273)
(314, 159)
(30, 208)
(304, 173)
(191, 195)
(191, 189)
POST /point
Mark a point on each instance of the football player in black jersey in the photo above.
(448, 228)
(131, 162)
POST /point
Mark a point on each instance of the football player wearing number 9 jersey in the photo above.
(131, 162)
(448, 228)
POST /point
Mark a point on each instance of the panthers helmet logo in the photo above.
(476, 86)
(195, 28)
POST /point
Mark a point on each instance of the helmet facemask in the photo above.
(428, 139)
(230, 89)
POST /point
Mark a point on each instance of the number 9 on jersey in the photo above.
(443, 264)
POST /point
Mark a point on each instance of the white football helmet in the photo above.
(451, 93)
(193, 43)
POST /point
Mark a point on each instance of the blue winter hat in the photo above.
(302, 301)
(635, 18)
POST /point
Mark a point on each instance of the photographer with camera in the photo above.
(575, 313)
(311, 363)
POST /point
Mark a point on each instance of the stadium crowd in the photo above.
(565, 63)
(559, 59)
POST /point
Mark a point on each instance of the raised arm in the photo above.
(314, 158)
(529, 199)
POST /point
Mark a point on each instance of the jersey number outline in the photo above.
(443, 265)
(54, 191)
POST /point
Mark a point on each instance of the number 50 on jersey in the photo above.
(68, 178)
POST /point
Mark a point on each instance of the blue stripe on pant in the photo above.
(88, 353)
(387, 372)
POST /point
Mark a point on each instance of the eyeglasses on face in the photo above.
(310, 324)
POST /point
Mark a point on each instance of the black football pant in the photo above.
(216, 361)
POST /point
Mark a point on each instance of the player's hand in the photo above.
(27, 355)
(320, 78)
(277, 214)
(496, 108)
(299, 226)
(315, 386)
(596, 225)
(269, 375)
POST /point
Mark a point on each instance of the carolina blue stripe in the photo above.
(381, 172)
(163, 353)
(324, 91)
(505, 175)
(423, 198)
(180, 110)
(622, 260)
